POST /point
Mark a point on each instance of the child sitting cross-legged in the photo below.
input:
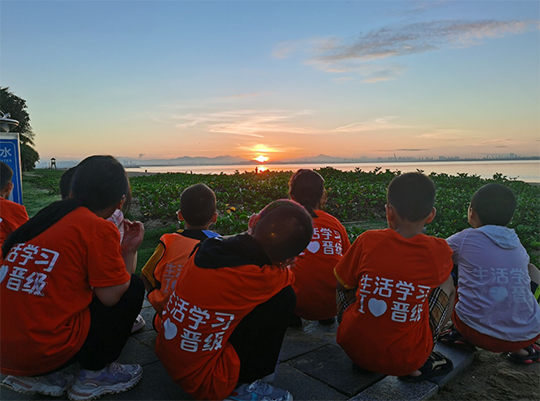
(224, 324)
(496, 309)
(395, 288)
(159, 274)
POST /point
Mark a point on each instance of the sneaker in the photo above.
(139, 324)
(113, 378)
(54, 384)
(259, 391)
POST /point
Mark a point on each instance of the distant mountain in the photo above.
(315, 159)
(187, 161)
(179, 161)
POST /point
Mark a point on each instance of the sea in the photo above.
(523, 170)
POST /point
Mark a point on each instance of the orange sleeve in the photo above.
(346, 271)
(20, 216)
(105, 264)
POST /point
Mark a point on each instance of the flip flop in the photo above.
(452, 337)
(436, 365)
(534, 355)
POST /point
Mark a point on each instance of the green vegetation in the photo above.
(16, 107)
(356, 198)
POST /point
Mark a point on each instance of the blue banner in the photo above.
(10, 153)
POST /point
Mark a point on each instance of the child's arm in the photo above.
(134, 234)
(147, 273)
(534, 274)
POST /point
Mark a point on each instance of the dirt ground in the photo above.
(493, 377)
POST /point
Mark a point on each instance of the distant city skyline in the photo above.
(276, 80)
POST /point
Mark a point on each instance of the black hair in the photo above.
(5, 176)
(284, 229)
(307, 188)
(65, 188)
(198, 205)
(98, 183)
(494, 204)
(65, 182)
(412, 195)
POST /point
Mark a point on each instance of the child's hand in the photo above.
(133, 235)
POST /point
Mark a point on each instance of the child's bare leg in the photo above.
(534, 274)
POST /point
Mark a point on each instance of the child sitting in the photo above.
(496, 309)
(117, 218)
(315, 283)
(224, 324)
(404, 290)
(198, 210)
(71, 291)
(12, 215)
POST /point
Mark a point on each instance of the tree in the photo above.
(16, 107)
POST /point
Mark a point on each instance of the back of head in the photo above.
(307, 188)
(6, 174)
(99, 182)
(284, 229)
(412, 195)
(198, 205)
(65, 182)
(494, 204)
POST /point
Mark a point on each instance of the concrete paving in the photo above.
(312, 367)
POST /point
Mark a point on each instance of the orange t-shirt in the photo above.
(387, 329)
(12, 216)
(315, 283)
(46, 288)
(204, 309)
(164, 267)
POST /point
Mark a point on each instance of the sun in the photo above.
(261, 159)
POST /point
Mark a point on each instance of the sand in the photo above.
(493, 377)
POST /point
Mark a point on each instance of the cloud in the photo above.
(448, 134)
(343, 79)
(345, 55)
(262, 148)
(244, 95)
(253, 123)
(410, 150)
(383, 123)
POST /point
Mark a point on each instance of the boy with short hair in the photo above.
(12, 215)
(496, 309)
(224, 324)
(404, 291)
(159, 274)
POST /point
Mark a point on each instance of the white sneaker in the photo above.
(259, 391)
(113, 378)
(139, 324)
(54, 384)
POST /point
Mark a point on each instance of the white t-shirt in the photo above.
(494, 290)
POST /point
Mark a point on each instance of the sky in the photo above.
(279, 79)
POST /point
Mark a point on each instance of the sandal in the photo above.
(452, 337)
(534, 355)
(436, 365)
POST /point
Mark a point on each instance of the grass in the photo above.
(35, 198)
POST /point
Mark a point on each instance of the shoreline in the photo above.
(132, 174)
